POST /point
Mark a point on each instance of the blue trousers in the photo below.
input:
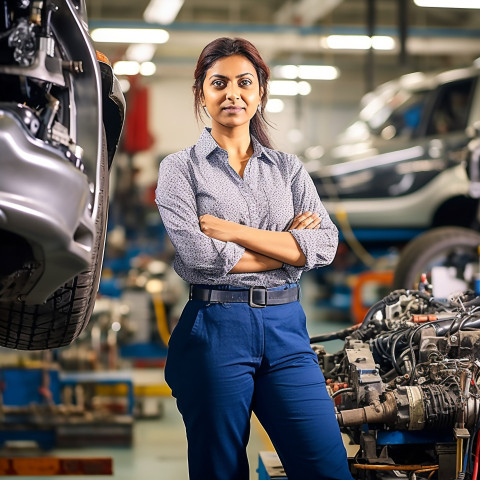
(227, 360)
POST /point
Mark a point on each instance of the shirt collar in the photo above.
(206, 145)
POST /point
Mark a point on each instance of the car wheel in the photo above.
(444, 246)
(65, 314)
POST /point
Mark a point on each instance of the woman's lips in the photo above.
(233, 109)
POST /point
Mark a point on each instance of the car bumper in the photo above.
(44, 199)
(415, 210)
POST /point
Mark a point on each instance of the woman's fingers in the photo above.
(298, 219)
(307, 220)
(315, 224)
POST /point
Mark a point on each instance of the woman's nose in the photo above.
(233, 93)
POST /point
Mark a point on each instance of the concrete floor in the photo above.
(159, 446)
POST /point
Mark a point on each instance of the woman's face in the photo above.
(231, 91)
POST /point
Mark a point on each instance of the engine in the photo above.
(405, 386)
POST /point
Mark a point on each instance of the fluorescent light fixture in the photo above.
(304, 88)
(317, 72)
(162, 11)
(448, 3)
(147, 69)
(358, 42)
(140, 52)
(306, 72)
(289, 87)
(131, 67)
(348, 42)
(126, 67)
(383, 42)
(275, 105)
(286, 71)
(130, 35)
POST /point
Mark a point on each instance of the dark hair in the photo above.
(225, 47)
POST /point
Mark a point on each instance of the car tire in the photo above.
(64, 315)
(436, 245)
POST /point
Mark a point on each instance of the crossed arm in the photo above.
(264, 249)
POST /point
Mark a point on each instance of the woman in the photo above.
(245, 221)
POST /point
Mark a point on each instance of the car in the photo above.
(61, 115)
(401, 165)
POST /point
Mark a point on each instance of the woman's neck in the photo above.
(236, 141)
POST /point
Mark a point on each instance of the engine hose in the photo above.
(472, 303)
(361, 331)
(441, 329)
(338, 335)
(405, 468)
(342, 390)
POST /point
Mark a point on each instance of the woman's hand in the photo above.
(215, 227)
(307, 220)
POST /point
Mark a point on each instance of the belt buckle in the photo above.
(251, 291)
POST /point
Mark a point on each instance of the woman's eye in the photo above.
(217, 83)
(245, 82)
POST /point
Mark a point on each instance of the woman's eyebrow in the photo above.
(217, 75)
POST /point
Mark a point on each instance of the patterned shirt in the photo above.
(275, 187)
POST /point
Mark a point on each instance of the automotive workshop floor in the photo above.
(159, 449)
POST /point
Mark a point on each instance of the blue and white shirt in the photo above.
(275, 187)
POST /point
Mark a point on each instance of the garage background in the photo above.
(118, 363)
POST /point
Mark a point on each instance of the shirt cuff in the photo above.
(230, 255)
(318, 246)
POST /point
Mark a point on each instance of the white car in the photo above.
(402, 164)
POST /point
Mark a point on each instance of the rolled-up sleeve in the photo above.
(176, 202)
(320, 245)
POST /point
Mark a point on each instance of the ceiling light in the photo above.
(130, 35)
(162, 11)
(275, 105)
(381, 42)
(286, 71)
(358, 42)
(317, 72)
(289, 87)
(448, 3)
(304, 88)
(140, 52)
(126, 67)
(306, 72)
(147, 69)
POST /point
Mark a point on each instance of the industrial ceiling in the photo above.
(287, 32)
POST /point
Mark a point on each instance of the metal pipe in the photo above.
(384, 412)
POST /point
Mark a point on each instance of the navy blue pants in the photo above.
(225, 360)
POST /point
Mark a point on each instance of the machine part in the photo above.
(407, 376)
(453, 247)
(23, 41)
(64, 110)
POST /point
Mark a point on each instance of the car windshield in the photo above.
(397, 115)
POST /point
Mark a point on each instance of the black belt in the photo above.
(256, 297)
